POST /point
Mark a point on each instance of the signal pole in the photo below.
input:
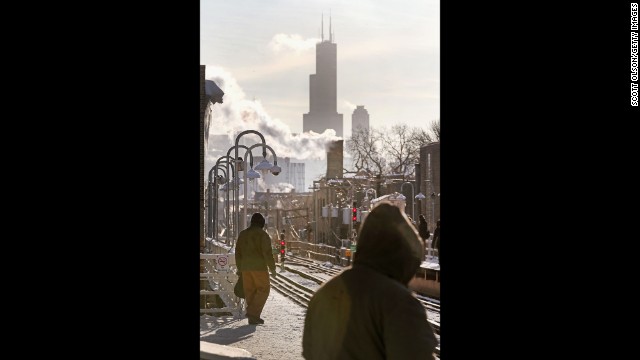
(283, 249)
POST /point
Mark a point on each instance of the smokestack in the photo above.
(335, 160)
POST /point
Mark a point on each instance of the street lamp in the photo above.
(413, 210)
(230, 170)
(235, 147)
(248, 174)
(266, 166)
(420, 197)
(212, 189)
(252, 174)
(211, 192)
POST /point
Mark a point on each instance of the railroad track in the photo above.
(428, 303)
(312, 265)
(291, 289)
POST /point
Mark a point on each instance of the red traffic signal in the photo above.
(354, 210)
(282, 242)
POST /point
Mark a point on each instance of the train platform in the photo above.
(279, 338)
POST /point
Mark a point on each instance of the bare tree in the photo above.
(384, 151)
(420, 138)
(365, 147)
(397, 146)
(402, 148)
(435, 129)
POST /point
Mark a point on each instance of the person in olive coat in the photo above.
(253, 259)
(367, 312)
(423, 229)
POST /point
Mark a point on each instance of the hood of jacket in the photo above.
(389, 244)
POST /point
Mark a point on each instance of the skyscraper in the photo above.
(323, 112)
(359, 118)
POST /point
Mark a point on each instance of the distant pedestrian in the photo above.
(282, 236)
(423, 228)
(436, 238)
(367, 311)
(253, 259)
(309, 231)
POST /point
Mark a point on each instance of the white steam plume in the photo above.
(280, 187)
(237, 114)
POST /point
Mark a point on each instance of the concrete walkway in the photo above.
(279, 338)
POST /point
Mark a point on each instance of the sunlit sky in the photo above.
(388, 55)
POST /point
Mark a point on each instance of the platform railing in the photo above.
(218, 271)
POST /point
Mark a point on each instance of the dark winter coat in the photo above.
(368, 312)
(423, 230)
(253, 250)
(436, 239)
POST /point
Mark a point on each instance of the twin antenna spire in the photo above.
(322, 27)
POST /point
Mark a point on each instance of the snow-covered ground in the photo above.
(279, 338)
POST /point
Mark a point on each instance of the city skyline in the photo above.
(387, 58)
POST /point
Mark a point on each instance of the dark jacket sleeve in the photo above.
(266, 252)
(436, 238)
(239, 253)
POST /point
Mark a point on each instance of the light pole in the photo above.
(413, 210)
(275, 170)
(420, 197)
(227, 188)
(230, 170)
(239, 167)
(212, 190)
(264, 165)
(213, 179)
(235, 147)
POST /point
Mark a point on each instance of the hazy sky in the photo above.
(388, 57)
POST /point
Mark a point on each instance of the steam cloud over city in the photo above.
(238, 114)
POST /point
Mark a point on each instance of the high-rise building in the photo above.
(323, 113)
(359, 118)
(295, 176)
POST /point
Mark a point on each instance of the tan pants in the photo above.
(256, 291)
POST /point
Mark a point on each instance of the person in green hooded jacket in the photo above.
(253, 259)
(368, 312)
